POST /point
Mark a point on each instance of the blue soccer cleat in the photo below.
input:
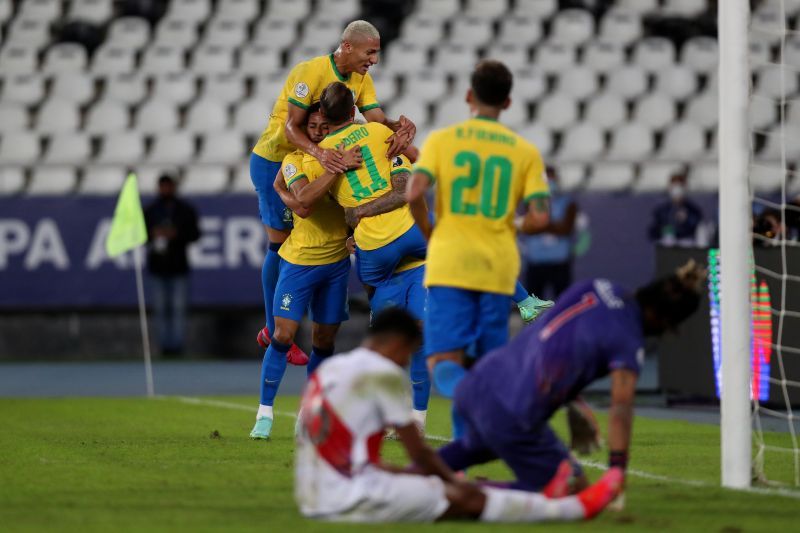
(531, 307)
(262, 429)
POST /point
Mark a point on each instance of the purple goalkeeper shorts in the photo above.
(530, 448)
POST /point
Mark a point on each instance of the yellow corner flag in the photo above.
(128, 229)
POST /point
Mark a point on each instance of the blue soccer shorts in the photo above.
(457, 318)
(404, 290)
(322, 289)
(376, 266)
(273, 211)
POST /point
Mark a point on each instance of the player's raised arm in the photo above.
(620, 416)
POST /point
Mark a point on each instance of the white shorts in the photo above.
(389, 497)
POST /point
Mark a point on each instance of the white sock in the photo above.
(504, 505)
(264, 410)
(419, 417)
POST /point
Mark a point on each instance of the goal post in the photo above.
(735, 242)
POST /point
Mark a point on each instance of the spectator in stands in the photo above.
(548, 254)
(171, 227)
(677, 220)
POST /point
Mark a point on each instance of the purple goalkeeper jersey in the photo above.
(595, 327)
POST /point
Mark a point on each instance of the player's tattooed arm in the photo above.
(288, 198)
(537, 217)
(384, 204)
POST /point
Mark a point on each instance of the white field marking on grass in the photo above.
(591, 464)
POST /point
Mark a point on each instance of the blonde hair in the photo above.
(360, 28)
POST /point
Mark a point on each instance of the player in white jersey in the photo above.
(351, 400)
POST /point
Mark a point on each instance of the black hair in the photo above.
(671, 299)
(491, 82)
(166, 178)
(336, 102)
(395, 321)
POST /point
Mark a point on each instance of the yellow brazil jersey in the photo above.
(302, 88)
(481, 171)
(368, 182)
(320, 238)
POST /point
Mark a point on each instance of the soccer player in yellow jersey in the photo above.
(480, 172)
(315, 266)
(350, 64)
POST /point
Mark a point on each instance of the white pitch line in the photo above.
(788, 493)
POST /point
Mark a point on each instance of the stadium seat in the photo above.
(322, 33)
(684, 8)
(129, 32)
(121, 148)
(193, 11)
(57, 115)
(176, 33)
(678, 82)
(205, 179)
(385, 87)
(766, 178)
(438, 9)
(629, 81)
(779, 139)
(602, 56)
(17, 59)
(766, 26)
(6, 10)
(13, 117)
(173, 147)
(535, 9)
(25, 89)
(241, 180)
(551, 57)
(280, 34)
(251, 116)
(211, 59)
(109, 60)
(582, 142)
(792, 113)
(529, 84)
(339, 10)
(293, 10)
(630, 142)
(704, 176)
(606, 111)
(148, 176)
(620, 26)
(52, 180)
(256, 59)
(28, 32)
(206, 116)
(579, 82)
(12, 179)
(540, 136)
(298, 55)
(75, 87)
(654, 53)
(412, 107)
(654, 110)
(572, 176)
(763, 112)
(703, 110)
(404, 57)
(422, 30)
(470, 31)
(519, 31)
(792, 7)
(700, 54)
(759, 54)
(572, 27)
(243, 10)
(162, 60)
(453, 58)
(43, 10)
(556, 111)
(518, 113)
(65, 57)
(19, 148)
(107, 116)
(487, 9)
(177, 87)
(222, 148)
(774, 82)
(225, 33)
(155, 116)
(102, 180)
(269, 87)
(654, 176)
(129, 89)
(450, 111)
(97, 12)
(225, 88)
(67, 149)
(611, 176)
(640, 7)
(683, 141)
(429, 86)
(513, 56)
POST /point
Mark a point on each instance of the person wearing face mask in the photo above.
(548, 252)
(676, 221)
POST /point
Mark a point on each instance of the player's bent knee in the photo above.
(283, 334)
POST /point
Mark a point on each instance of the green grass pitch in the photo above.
(168, 465)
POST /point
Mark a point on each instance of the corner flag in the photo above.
(128, 229)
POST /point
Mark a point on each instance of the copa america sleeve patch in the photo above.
(398, 161)
(300, 90)
(289, 170)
